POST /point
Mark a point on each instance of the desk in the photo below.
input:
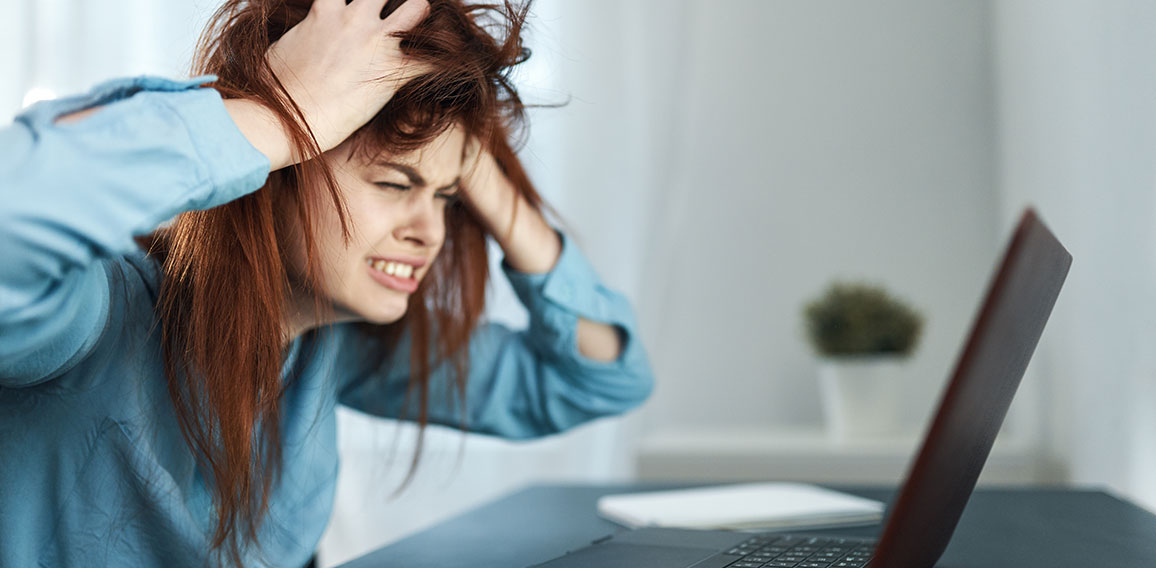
(1051, 528)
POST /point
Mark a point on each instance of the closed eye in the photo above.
(391, 185)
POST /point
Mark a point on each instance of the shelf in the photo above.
(808, 455)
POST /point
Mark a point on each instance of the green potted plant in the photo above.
(862, 335)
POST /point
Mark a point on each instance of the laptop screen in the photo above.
(1003, 336)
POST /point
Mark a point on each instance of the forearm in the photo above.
(263, 130)
(532, 246)
(255, 121)
(153, 148)
(598, 341)
(76, 194)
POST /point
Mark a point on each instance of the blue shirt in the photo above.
(93, 467)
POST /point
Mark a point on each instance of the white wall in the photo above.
(1077, 131)
(815, 140)
(67, 46)
(14, 64)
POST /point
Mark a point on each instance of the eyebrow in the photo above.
(414, 177)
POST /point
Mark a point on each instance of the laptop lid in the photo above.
(1003, 337)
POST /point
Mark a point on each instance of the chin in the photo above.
(382, 315)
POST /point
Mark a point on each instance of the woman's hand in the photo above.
(529, 242)
(340, 65)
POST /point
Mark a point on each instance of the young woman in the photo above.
(169, 400)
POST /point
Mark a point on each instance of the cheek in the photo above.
(368, 222)
(327, 240)
(440, 230)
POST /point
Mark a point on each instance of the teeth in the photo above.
(393, 268)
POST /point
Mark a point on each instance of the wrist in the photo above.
(78, 115)
(263, 130)
(531, 245)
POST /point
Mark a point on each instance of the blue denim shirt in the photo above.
(93, 467)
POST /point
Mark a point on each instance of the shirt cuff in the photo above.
(555, 299)
(571, 284)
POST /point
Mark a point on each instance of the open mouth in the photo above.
(393, 274)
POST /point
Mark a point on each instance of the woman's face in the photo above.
(396, 212)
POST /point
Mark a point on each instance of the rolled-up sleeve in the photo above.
(532, 382)
(74, 195)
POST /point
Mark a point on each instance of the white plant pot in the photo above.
(861, 396)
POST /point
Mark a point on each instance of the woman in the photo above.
(171, 401)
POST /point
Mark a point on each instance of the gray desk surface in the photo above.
(1000, 528)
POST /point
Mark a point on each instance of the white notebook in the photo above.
(744, 506)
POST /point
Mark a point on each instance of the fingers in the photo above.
(363, 10)
(367, 10)
(406, 16)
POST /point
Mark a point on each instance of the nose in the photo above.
(422, 223)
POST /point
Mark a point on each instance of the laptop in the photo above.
(940, 481)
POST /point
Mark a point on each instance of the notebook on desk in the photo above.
(943, 474)
(742, 506)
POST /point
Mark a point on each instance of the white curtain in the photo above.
(1077, 97)
(66, 46)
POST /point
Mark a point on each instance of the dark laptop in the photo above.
(923, 516)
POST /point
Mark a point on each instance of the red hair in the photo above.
(224, 343)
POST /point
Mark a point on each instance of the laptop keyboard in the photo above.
(768, 551)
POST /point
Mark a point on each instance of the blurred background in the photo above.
(721, 163)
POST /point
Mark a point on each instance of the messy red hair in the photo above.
(223, 340)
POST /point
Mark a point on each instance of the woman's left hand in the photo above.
(485, 189)
(530, 243)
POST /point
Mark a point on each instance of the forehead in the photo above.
(439, 159)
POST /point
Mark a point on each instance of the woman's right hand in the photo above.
(340, 65)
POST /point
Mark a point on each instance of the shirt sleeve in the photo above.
(75, 194)
(532, 382)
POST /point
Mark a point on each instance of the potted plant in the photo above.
(862, 335)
